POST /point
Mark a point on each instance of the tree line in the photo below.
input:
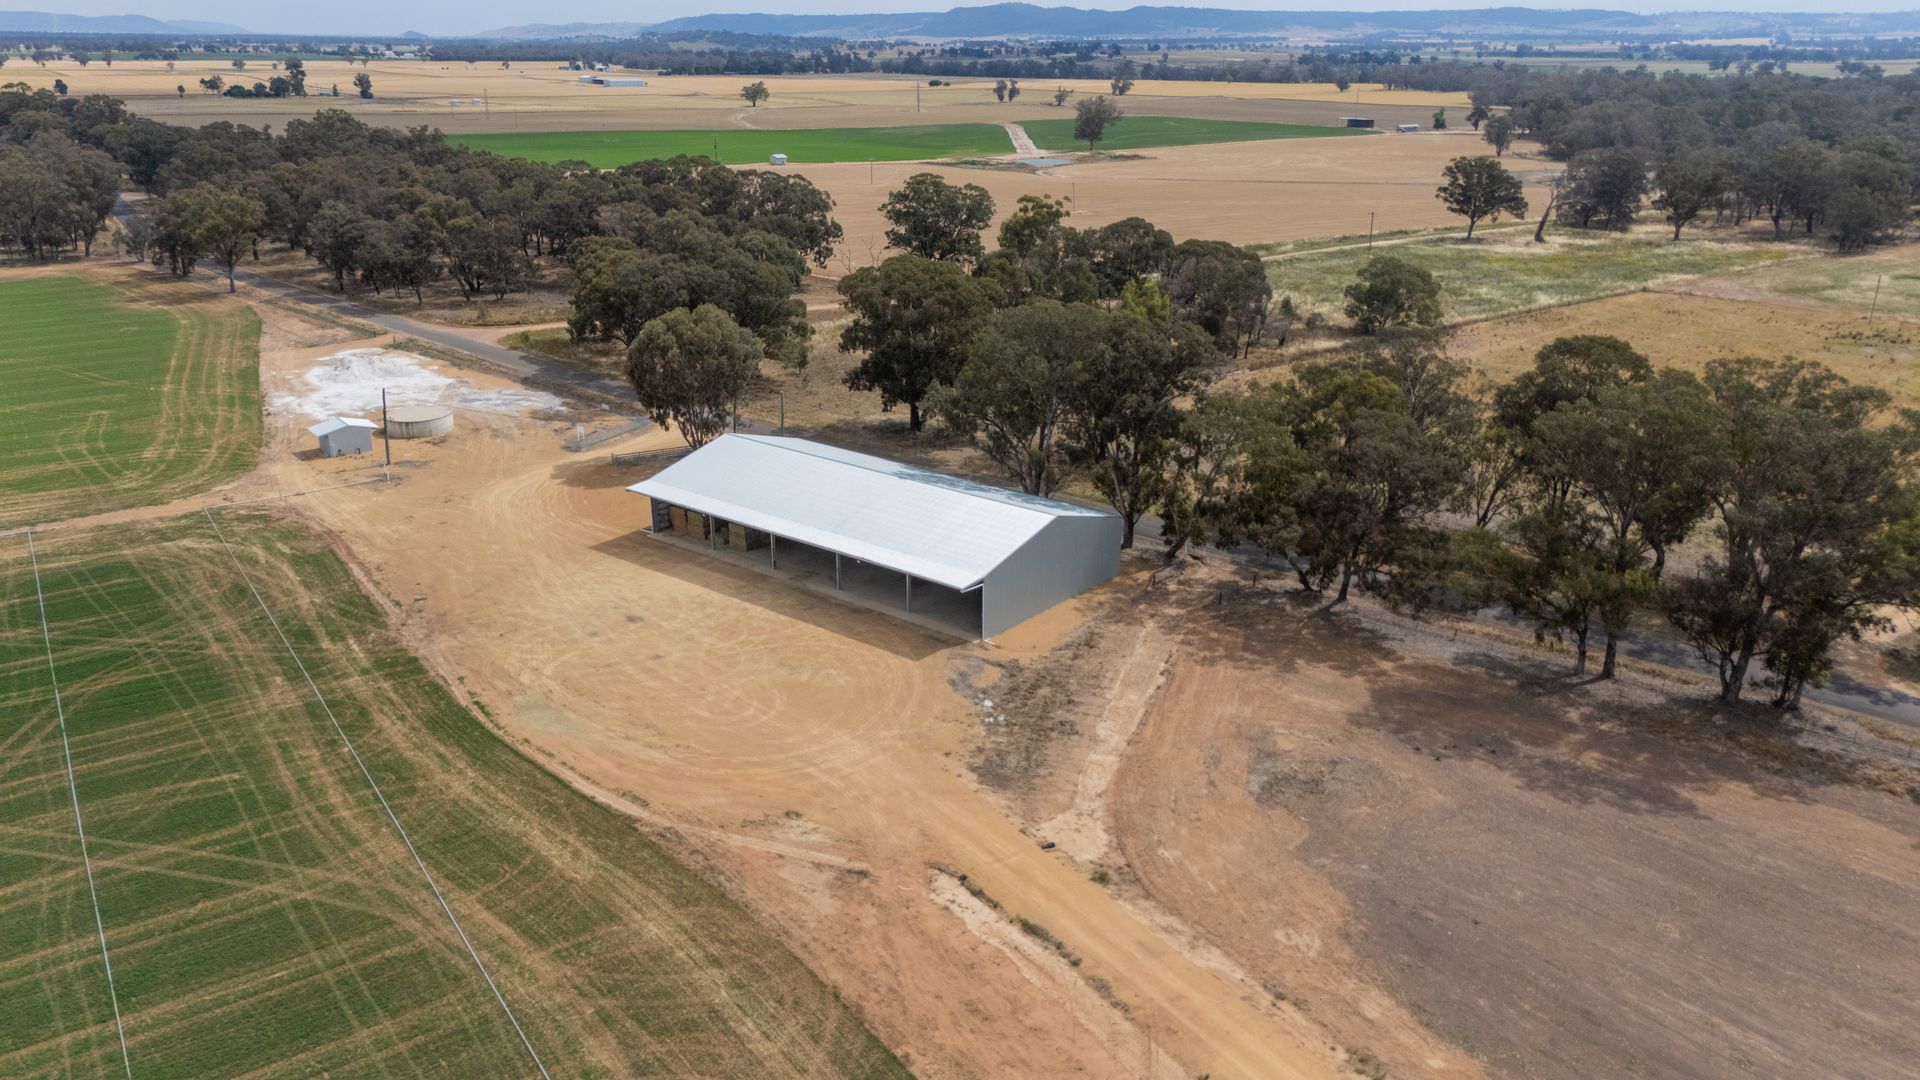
(1563, 493)
(1841, 156)
(399, 210)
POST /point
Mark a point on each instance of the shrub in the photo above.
(1392, 292)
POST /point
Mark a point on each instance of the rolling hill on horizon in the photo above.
(49, 22)
(1030, 20)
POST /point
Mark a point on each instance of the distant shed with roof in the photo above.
(973, 558)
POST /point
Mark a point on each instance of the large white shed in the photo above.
(982, 557)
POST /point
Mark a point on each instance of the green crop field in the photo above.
(1506, 272)
(1139, 132)
(263, 915)
(742, 146)
(121, 396)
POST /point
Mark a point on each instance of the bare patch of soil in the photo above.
(1453, 859)
(1027, 707)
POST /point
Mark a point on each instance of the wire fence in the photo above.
(587, 440)
(642, 457)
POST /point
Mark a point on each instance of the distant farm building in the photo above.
(777, 159)
(967, 557)
(1357, 121)
(612, 80)
(343, 435)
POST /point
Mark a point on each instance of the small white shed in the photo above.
(777, 159)
(343, 435)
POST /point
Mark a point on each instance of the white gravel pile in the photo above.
(348, 383)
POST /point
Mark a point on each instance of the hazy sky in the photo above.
(470, 16)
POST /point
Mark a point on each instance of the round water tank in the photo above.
(419, 421)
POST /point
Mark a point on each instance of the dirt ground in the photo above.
(1386, 829)
(547, 97)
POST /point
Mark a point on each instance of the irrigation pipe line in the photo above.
(73, 790)
(302, 491)
(384, 805)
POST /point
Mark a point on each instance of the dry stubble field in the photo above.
(1819, 308)
(543, 97)
(1247, 193)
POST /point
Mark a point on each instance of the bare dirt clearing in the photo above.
(1537, 878)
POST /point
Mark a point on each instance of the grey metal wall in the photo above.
(1063, 560)
(348, 440)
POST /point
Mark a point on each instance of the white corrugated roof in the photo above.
(333, 424)
(934, 526)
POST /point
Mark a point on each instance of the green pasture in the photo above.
(1140, 132)
(1506, 272)
(263, 915)
(742, 146)
(121, 396)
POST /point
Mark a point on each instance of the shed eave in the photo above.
(955, 578)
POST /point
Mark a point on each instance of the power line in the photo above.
(384, 805)
(73, 790)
